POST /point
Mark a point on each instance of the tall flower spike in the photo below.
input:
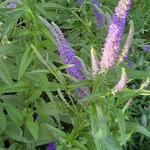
(94, 62)
(122, 83)
(99, 16)
(111, 46)
(67, 55)
(128, 43)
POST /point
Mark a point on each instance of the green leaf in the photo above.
(35, 94)
(90, 141)
(2, 120)
(50, 108)
(127, 94)
(13, 131)
(54, 131)
(14, 100)
(98, 126)
(4, 49)
(25, 61)
(44, 135)
(52, 5)
(79, 145)
(121, 123)
(137, 74)
(137, 128)
(13, 146)
(11, 22)
(16, 87)
(42, 59)
(32, 126)
(111, 144)
(4, 74)
(49, 67)
(15, 114)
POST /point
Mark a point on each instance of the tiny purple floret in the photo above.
(36, 117)
(146, 48)
(126, 57)
(51, 146)
(130, 64)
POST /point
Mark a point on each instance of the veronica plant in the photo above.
(99, 111)
(37, 107)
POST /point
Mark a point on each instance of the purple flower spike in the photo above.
(146, 48)
(51, 146)
(111, 46)
(66, 54)
(129, 40)
(122, 83)
(99, 16)
(128, 43)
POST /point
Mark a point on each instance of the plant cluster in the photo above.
(74, 75)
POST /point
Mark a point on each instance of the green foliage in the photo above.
(33, 80)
